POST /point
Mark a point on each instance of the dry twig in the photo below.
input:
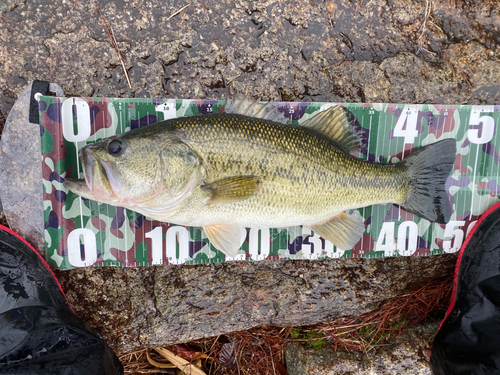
(427, 13)
(178, 11)
(122, 59)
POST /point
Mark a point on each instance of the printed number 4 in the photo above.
(409, 116)
(485, 133)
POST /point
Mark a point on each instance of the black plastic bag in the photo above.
(468, 341)
(39, 333)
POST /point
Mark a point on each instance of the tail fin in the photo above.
(428, 168)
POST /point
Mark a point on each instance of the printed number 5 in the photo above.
(456, 234)
(485, 133)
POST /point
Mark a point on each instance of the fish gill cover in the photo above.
(82, 233)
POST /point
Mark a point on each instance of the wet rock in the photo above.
(285, 50)
(150, 306)
(407, 355)
(21, 174)
(485, 95)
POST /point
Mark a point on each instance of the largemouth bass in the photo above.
(249, 167)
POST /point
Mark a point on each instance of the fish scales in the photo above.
(304, 174)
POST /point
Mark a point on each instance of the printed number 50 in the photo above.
(456, 234)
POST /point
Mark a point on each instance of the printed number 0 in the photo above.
(82, 113)
(89, 247)
(487, 128)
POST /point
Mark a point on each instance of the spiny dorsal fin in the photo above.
(232, 189)
(255, 108)
(333, 123)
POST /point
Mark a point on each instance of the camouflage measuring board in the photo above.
(82, 233)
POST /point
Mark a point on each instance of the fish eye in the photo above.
(115, 147)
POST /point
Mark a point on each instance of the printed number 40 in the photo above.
(406, 242)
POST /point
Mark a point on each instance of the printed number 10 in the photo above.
(173, 235)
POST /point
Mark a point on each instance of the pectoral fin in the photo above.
(227, 238)
(343, 230)
(231, 189)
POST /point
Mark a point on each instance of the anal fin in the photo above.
(227, 238)
(343, 230)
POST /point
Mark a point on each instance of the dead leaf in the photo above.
(227, 357)
(281, 369)
(184, 351)
(158, 364)
(180, 363)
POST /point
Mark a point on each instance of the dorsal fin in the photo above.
(333, 123)
(243, 105)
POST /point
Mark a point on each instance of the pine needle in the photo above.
(177, 12)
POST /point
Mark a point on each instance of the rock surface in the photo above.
(146, 307)
(373, 51)
(407, 355)
(20, 172)
(414, 51)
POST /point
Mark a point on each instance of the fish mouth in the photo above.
(96, 184)
(78, 186)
